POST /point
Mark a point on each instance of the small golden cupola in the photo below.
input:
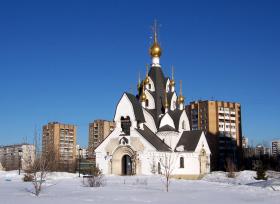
(181, 98)
(155, 49)
(147, 81)
(172, 81)
(143, 96)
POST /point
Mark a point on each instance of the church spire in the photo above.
(155, 49)
(172, 81)
(181, 98)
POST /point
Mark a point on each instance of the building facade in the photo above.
(221, 121)
(61, 140)
(98, 131)
(275, 148)
(152, 131)
(19, 155)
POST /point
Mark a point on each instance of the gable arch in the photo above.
(167, 120)
(173, 102)
(151, 100)
(167, 85)
(151, 85)
(184, 121)
(124, 109)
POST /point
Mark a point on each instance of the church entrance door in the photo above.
(126, 165)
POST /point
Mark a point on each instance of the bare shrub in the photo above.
(27, 177)
(95, 178)
(167, 164)
(39, 171)
(230, 168)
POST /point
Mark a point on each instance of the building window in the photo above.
(150, 86)
(182, 165)
(183, 125)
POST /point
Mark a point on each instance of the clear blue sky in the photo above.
(70, 61)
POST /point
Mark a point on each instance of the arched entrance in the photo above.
(126, 165)
(124, 161)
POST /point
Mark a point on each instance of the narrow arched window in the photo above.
(183, 125)
(182, 165)
(150, 86)
(147, 102)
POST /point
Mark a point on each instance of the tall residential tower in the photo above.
(61, 139)
(98, 131)
(222, 122)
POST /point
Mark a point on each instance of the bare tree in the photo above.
(39, 168)
(230, 168)
(167, 164)
(39, 171)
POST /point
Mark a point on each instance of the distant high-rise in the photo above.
(98, 131)
(222, 123)
(61, 139)
(275, 147)
(245, 142)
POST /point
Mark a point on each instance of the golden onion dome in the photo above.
(181, 99)
(146, 81)
(155, 50)
(172, 82)
(143, 97)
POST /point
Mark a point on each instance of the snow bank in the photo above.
(242, 178)
(246, 178)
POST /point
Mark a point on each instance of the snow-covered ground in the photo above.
(65, 188)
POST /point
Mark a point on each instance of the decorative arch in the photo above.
(151, 85)
(124, 108)
(117, 160)
(167, 85)
(173, 103)
(167, 120)
(150, 98)
(184, 121)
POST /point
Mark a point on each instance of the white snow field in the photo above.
(65, 188)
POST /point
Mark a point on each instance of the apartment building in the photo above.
(221, 121)
(98, 131)
(61, 139)
(17, 156)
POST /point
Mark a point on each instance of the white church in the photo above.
(152, 133)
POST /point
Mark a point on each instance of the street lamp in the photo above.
(19, 160)
(80, 151)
